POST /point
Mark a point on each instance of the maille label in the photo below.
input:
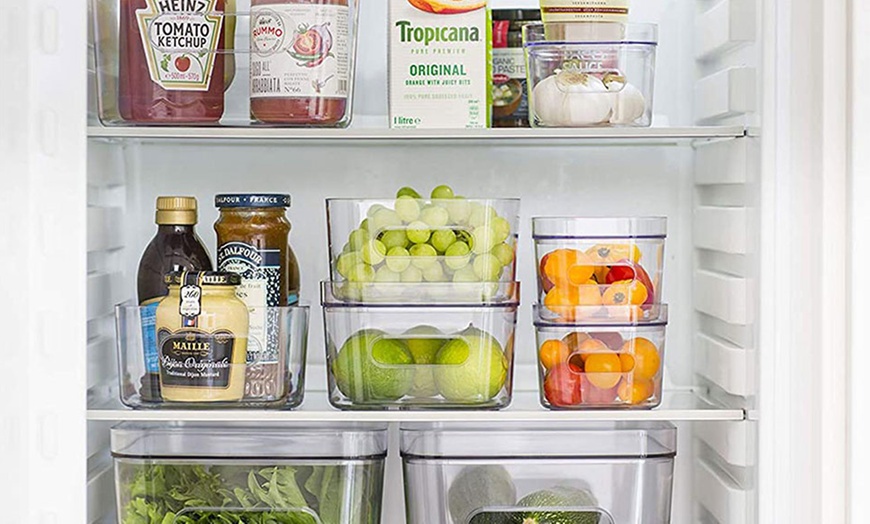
(196, 359)
(180, 38)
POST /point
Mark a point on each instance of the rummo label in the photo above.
(180, 39)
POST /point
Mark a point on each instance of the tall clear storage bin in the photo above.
(601, 472)
(190, 472)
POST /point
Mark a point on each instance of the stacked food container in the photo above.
(600, 323)
(421, 307)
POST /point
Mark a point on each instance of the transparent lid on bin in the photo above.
(539, 439)
(563, 228)
(249, 440)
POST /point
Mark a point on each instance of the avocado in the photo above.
(477, 487)
(559, 496)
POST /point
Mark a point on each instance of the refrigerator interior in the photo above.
(706, 180)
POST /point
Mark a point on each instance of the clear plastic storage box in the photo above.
(191, 472)
(601, 363)
(272, 379)
(414, 240)
(591, 74)
(586, 263)
(420, 354)
(595, 473)
(225, 62)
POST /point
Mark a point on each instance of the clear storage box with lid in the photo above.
(192, 472)
(577, 473)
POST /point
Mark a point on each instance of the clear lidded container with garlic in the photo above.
(590, 74)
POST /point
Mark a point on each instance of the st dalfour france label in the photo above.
(585, 10)
(180, 39)
(439, 67)
(300, 50)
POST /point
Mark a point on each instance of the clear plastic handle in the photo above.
(564, 513)
(198, 514)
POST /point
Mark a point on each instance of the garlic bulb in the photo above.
(571, 99)
(630, 104)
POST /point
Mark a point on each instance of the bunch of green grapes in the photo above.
(445, 239)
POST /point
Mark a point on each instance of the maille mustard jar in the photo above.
(202, 333)
(253, 242)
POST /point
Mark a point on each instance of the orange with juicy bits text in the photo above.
(553, 352)
(603, 370)
(645, 354)
(636, 391)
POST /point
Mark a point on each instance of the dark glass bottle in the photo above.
(175, 247)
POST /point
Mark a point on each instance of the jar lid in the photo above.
(176, 210)
(517, 15)
(263, 200)
(202, 278)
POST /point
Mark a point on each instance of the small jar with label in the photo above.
(510, 104)
(302, 55)
(253, 242)
(202, 333)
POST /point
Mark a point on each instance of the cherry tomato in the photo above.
(627, 270)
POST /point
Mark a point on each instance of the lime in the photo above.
(471, 367)
(424, 346)
(371, 367)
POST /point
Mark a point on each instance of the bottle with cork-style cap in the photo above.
(176, 247)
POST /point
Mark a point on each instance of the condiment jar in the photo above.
(202, 333)
(510, 104)
(253, 242)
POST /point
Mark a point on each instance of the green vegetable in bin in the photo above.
(477, 487)
(559, 496)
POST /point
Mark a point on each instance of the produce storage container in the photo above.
(593, 74)
(416, 354)
(545, 472)
(412, 240)
(229, 62)
(594, 262)
(193, 472)
(288, 327)
(601, 363)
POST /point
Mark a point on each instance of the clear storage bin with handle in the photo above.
(195, 472)
(554, 472)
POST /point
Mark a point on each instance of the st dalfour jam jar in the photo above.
(202, 331)
(301, 61)
(253, 242)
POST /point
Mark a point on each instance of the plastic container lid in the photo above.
(420, 294)
(535, 440)
(567, 228)
(600, 316)
(233, 441)
(568, 33)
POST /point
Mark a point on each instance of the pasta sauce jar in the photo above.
(253, 242)
(202, 330)
(301, 61)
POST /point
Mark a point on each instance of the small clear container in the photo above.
(473, 473)
(592, 74)
(432, 241)
(601, 362)
(225, 62)
(196, 472)
(591, 262)
(414, 354)
(289, 326)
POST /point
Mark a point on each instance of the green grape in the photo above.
(423, 255)
(394, 238)
(435, 216)
(487, 267)
(373, 252)
(398, 259)
(418, 232)
(385, 274)
(504, 253)
(346, 248)
(457, 255)
(442, 192)
(374, 209)
(361, 273)
(412, 275)
(383, 220)
(407, 208)
(346, 262)
(458, 210)
(502, 228)
(483, 240)
(364, 224)
(463, 235)
(434, 272)
(358, 238)
(465, 274)
(442, 239)
(480, 215)
(407, 191)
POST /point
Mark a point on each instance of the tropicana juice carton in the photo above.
(440, 63)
